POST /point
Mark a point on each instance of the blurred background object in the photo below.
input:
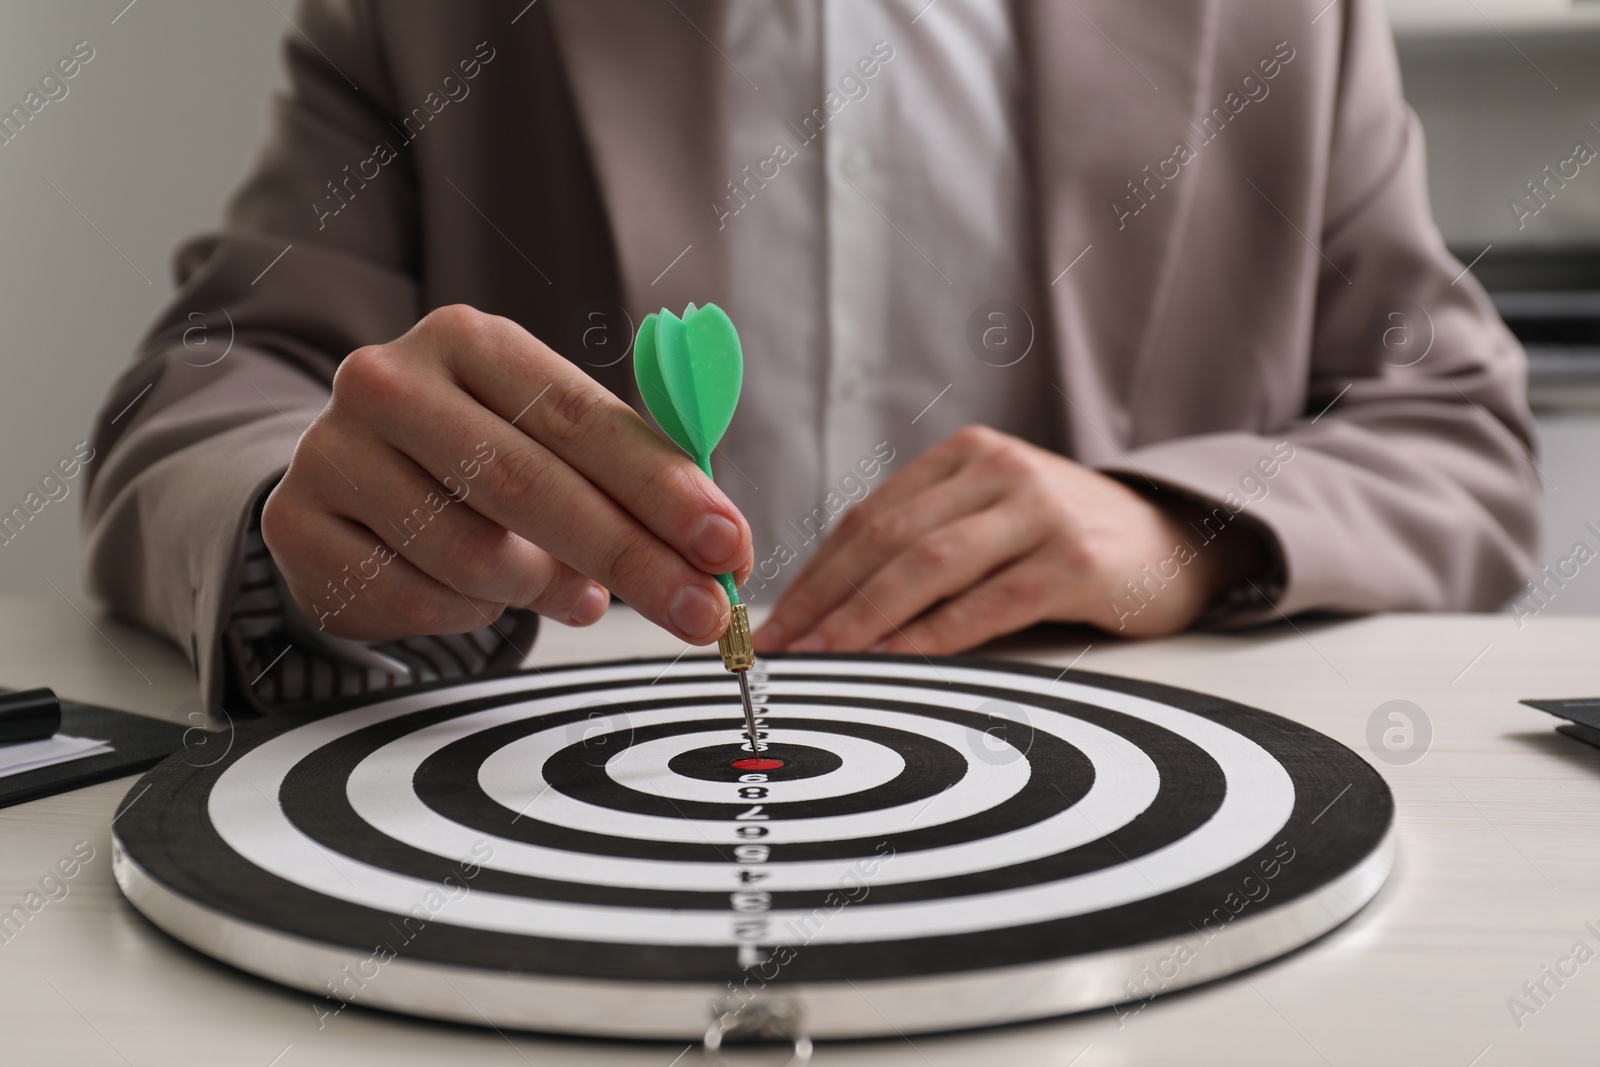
(153, 131)
(1508, 92)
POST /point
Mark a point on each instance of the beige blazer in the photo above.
(1275, 286)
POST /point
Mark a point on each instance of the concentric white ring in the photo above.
(982, 787)
(644, 767)
(1125, 784)
(1258, 800)
(1114, 799)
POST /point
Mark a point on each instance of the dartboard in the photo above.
(906, 846)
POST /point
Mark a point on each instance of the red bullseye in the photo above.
(758, 763)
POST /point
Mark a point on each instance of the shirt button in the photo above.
(854, 162)
(850, 379)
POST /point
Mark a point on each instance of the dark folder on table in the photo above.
(137, 743)
(1582, 715)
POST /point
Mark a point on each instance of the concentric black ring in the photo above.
(929, 771)
(314, 799)
(715, 763)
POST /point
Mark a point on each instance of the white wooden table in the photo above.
(1498, 873)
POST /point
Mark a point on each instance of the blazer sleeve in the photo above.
(1413, 484)
(242, 359)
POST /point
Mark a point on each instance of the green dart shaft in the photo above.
(729, 586)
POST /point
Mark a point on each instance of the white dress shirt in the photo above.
(899, 209)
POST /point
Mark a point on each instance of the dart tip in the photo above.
(749, 712)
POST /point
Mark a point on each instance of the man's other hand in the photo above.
(985, 534)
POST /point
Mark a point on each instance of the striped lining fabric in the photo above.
(281, 661)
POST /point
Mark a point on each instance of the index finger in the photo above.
(594, 432)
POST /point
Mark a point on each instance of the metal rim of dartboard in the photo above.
(947, 845)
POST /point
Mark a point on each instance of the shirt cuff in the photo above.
(1249, 602)
(278, 660)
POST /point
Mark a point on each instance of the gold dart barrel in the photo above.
(739, 655)
(738, 652)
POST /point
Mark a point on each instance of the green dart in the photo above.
(690, 370)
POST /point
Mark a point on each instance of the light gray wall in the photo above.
(153, 132)
(1571, 475)
(161, 123)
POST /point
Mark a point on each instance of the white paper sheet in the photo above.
(32, 755)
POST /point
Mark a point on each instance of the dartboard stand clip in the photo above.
(764, 1020)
